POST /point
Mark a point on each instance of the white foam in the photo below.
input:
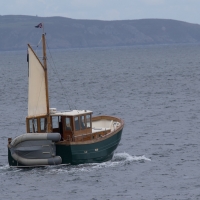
(127, 157)
(118, 159)
(4, 169)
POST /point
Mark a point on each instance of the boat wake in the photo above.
(119, 159)
(127, 157)
(4, 167)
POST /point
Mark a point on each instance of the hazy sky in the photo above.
(184, 10)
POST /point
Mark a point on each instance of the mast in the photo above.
(46, 83)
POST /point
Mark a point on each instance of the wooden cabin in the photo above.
(74, 126)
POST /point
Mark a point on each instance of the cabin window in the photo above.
(55, 122)
(82, 122)
(68, 123)
(43, 124)
(33, 126)
(30, 126)
(88, 121)
(77, 125)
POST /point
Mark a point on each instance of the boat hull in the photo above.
(95, 152)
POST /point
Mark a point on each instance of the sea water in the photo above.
(154, 89)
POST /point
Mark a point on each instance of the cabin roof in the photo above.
(70, 112)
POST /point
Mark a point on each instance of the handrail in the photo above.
(82, 136)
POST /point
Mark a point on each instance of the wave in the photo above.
(118, 159)
(127, 157)
(4, 167)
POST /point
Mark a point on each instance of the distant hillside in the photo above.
(17, 30)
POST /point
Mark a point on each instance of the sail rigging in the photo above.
(37, 100)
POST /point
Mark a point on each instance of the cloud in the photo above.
(111, 14)
(153, 2)
(185, 10)
(85, 3)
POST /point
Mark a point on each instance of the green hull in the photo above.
(12, 161)
(89, 153)
(82, 153)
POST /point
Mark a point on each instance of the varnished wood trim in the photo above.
(38, 116)
(49, 124)
(38, 123)
(119, 128)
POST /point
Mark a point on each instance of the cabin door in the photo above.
(57, 125)
(67, 128)
(61, 127)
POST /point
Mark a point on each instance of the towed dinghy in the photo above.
(34, 149)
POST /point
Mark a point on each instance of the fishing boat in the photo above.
(60, 137)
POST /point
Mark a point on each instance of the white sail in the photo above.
(37, 104)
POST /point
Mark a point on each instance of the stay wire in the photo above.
(55, 71)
